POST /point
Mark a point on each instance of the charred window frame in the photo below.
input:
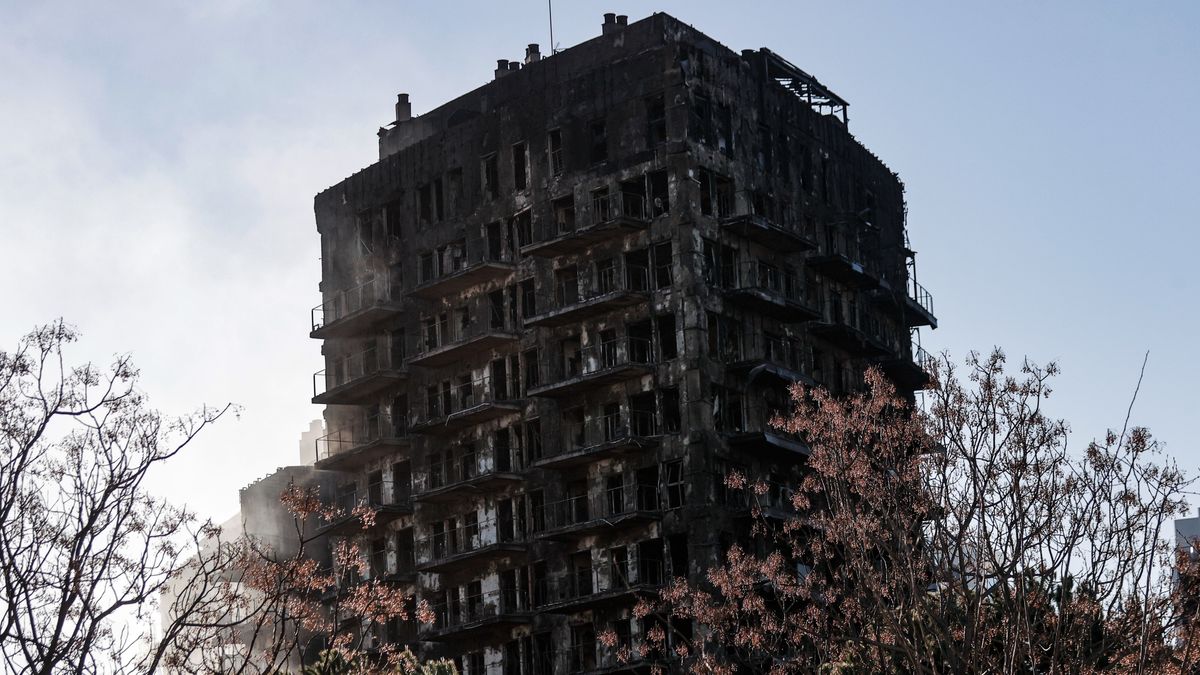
(598, 146)
(656, 121)
(674, 484)
(520, 164)
(554, 145)
(490, 173)
(664, 262)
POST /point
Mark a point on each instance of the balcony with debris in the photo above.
(607, 288)
(355, 311)
(586, 514)
(453, 336)
(753, 219)
(589, 439)
(355, 444)
(470, 544)
(609, 215)
(470, 472)
(464, 402)
(769, 290)
(766, 356)
(594, 587)
(474, 616)
(581, 368)
(386, 499)
(358, 376)
(457, 267)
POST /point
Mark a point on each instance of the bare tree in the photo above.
(967, 538)
(84, 547)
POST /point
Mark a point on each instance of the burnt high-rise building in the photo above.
(562, 307)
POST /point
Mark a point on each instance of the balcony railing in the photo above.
(443, 550)
(606, 362)
(449, 342)
(787, 359)
(595, 511)
(443, 479)
(589, 585)
(352, 311)
(611, 214)
(748, 422)
(356, 377)
(388, 501)
(354, 445)
(920, 305)
(463, 268)
(588, 296)
(760, 226)
(464, 404)
(604, 436)
(471, 611)
(770, 290)
(856, 329)
(841, 257)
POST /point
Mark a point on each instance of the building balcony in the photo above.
(611, 215)
(357, 378)
(470, 473)
(747, 424)
(783, 359)
(387, 501)
(596, 587)
(909, 373)
(770, 291)
(453, 344)
(351, 447)
(918, 305)
(770, 234)
(476, 617)
(774, 503)
(584, 299)
(614, 360)
(592, 513)
(857, 331)
(471, 268)
(464, 404)
(601, 438)
(470, 545)
(354, 311)
(842, 260)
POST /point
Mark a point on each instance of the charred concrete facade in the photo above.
(562, 307)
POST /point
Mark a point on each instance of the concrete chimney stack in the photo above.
(532, 54)
(610, 24)
(622, 20)
(403, 108)
(501, 68)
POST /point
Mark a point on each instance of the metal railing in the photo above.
(926, 361)
(777, 496)
(919, 295)
(453, 332)
(597, 357)
(462, 396)
(350, 367)
(362, 433)
(613, 206)
(468, 538)
(585, 582)
(473, 608)
(593, 431)
(608, 280)
(612, 502)
(471, 465)
(344, 303)
(461, 258)
(770, 279)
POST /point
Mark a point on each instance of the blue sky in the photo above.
(160, 159)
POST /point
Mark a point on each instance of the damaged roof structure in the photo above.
(562, 307)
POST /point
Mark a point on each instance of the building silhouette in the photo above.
(562, 307)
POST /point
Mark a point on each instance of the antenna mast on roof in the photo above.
(550, 7)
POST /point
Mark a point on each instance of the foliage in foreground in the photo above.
(967, 538)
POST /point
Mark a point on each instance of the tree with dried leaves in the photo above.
(84, 547)
(967, 537)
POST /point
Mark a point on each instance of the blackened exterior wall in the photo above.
(563, 306)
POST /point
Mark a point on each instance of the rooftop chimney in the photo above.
(532, 54)
(514, 65)
(501, 68)
(610, 24)
(622, 20)
(403, 108)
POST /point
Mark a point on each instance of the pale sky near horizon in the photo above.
(160, 160)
